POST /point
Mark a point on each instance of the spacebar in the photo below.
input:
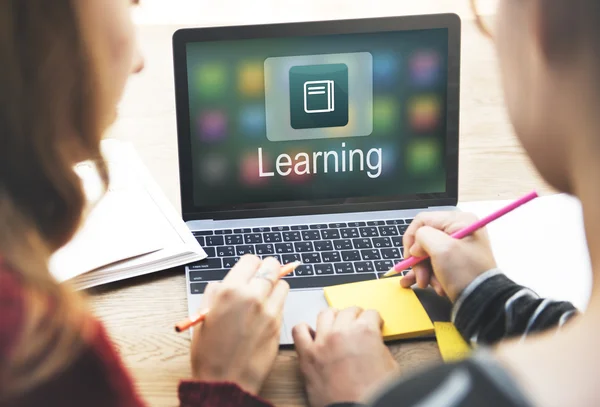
(326, 281)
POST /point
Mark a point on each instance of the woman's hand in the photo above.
(453, 263)
(239, 339)
(345, 359)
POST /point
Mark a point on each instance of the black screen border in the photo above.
(290, 208)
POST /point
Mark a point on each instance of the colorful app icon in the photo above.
(424, 113)
(212, 126)
(254, 168)
(424, 156)
(213, 168)
(386, 114)
(251, 81)
(211, 80)
(319, 96)
(252, 120)
(385, 69)
(425, 68)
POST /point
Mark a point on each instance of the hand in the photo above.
(239, 339)
(453, 263)
(346, 357)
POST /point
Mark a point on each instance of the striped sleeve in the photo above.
(493, 308)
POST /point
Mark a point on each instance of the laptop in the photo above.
(316, 141)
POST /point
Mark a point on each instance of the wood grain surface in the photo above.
(140, 313)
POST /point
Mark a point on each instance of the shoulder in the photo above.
(12, 306)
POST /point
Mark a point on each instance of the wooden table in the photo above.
(140, 313)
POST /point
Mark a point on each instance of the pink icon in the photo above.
(425, 68)
(250, 171)
(212, 125)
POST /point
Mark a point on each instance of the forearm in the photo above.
(493, 307)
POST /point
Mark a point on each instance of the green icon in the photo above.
(319, 96)
(211, 80)
(385, 114)
(424, 156)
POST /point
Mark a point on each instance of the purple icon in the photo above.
(425, 68)
(212, 125)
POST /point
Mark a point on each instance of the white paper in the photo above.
(542, 245)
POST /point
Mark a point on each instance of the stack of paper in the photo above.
(133, 229)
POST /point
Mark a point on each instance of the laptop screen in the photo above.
(312, 118)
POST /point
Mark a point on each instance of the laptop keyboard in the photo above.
(334, 253)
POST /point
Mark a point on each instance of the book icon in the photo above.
(319, 96)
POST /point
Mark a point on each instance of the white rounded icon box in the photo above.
(360, 96)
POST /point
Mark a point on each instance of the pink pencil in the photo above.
(411, 261)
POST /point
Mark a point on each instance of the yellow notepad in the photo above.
(403, 315)
(452, 345)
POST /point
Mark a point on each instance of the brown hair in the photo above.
(50, 119)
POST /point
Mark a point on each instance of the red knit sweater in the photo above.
(97, 377)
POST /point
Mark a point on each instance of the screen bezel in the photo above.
(405, 23)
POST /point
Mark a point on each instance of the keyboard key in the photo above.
(291, 236)
(390, 254)
(323, 245)
(223, 251)
(369, 232)
(337, 225)
(284, 248)
(322, 269)
(300, 227)
(344, 244)
(223, 232)
(330, 234)
(331, 257)
(206, 264)
(229, 262)
(304, 270)
(408, 221)
(280, 228)
(198, 288)
(200, 240)
(261, 230)
(326, 281)
(397, 241)
(244, 230)
(376, 223)
(273, 237)
(343, 268)
(234, 239)
(364, 267)
(402, 228)
(382, 242)
(350, 255)
(303, 247)
(320, 226)
(202, 233)
(311, 258)
(264, 249)
(209, 275)
(395, 222)
(356, 224)
(371, 254)
(311, 235)
(253, 238)
(215, 241)
(349, 233)
(210, 251)
(290, 258)
(384, 265)
(244, 249)
(362, 243)
(388, 231)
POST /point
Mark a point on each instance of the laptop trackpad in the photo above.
(301, 306)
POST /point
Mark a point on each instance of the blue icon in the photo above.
(252, 119)
(385, 69)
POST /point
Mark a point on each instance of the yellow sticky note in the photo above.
(402, 312)
(452, 345)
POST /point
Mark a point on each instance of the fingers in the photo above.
(372, 318)
(437, 286)
(302, 338)
(325, 320)
(243, 271)
(422, 275)
(209, 295)
(276, 301)
(408, 280)
(264, 280)
(434, 241)
(346, 317)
